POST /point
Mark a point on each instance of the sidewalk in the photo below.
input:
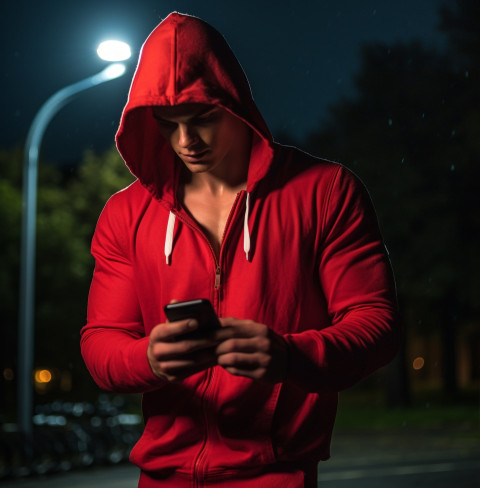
(409, 445)
(396, 459)
(123, 476)
(358, 457)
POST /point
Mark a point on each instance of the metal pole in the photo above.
(28, 239)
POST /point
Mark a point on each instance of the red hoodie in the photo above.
(301, 253)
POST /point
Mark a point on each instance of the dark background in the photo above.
(390, 89)
(299, 57)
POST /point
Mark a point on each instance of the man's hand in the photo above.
(173, 356)
(252, 350)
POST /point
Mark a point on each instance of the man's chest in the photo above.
(211, 214)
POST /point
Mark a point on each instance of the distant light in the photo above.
(418, 363)
(114, 51)
(43, 376)
(8, 374)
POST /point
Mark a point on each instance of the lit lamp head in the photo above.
(114, 51)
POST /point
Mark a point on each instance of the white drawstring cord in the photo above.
(246, 232)
(169, 236)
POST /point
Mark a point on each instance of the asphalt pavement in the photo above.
(395, 459)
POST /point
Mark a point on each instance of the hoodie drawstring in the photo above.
(171, 227)
(246, 231)
(169, 236)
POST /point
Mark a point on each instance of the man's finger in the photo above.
(163, 350)
(170, 330)
(245, 362)
(244, 345)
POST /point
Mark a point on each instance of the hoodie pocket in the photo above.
(173, 430)
(244, 412)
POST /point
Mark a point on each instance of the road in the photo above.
(359, 460)
(402, 459)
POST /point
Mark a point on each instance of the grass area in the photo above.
(360, 410)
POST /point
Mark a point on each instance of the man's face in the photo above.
(205, 137)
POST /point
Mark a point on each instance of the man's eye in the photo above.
(165, 123)
(206, 118)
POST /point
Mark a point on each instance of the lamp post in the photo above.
(109, 51)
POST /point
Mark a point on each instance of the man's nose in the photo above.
(186, 135)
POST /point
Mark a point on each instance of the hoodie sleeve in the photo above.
(357, 282)
(113, 342)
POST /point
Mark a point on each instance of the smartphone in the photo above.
(200, 309)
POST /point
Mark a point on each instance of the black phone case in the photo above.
(200, 309)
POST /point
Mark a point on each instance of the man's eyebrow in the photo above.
(158, 117)
(200, 113)
(205, 111)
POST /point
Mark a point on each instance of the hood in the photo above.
(185, 60)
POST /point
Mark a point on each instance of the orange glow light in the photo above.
(8, 374)
(418, 363)
(43, 376)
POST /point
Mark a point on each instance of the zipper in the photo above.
(197, 465)
(198, 476)
(218, 270)
(217, 278)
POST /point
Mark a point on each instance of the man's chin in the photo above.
(197, 167)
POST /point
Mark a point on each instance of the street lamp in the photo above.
(109, 51)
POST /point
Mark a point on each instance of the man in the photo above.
(284, 245)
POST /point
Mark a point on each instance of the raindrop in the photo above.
(403, 160)
(374, 12)
(467, 74)
(423, 115)
(452, 167)
(453, 133)
(390, 122)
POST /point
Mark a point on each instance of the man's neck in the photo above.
(217, 184)
(213, 186)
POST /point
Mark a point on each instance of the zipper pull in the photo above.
(217, 278)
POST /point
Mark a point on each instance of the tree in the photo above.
(68, 208)
(70, 212)
(459, 20)
(410, 134)
(10, 215)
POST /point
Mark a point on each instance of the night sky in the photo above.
(299, 56)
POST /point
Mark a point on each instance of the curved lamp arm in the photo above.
(28, 240)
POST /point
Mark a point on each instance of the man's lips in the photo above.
(194, 156)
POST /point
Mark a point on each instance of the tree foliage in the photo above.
(411, 134)
(68, 208)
